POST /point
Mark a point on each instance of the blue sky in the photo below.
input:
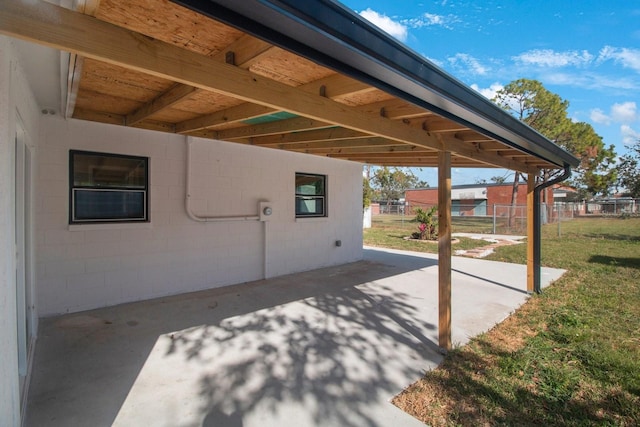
(588, 52)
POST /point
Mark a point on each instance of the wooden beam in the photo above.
(425, 163)
(419, 156)
(119, 119)
(246, 50)
(279, 131)
(439, 124)
(175, 94)
(373, 141)
(326, 134)
(531, 185)
(88, 7)
(395, 109)
(407, 150)
(231, 115)
(490, 145)
(63, 29)
(430, 164)
(339, 86)
(444, 250)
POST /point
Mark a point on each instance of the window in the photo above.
(108, 187)
(311, 195)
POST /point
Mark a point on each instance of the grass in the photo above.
(389, 231)
(568, 357)
(460, 224)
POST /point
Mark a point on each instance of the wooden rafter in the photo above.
(369, 151)
(329, 134)
(243, 52)
(334, 87)
(373, 141)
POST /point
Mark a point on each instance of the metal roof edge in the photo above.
(331, 34)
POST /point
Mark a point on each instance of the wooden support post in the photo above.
(531, 185)
(444, 250)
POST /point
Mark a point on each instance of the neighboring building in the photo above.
(472, 199)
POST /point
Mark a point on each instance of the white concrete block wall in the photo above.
(92, 266)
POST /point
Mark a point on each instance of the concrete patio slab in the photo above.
(329, 347)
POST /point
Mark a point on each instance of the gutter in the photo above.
(537, 226)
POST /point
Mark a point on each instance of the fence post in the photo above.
(559, 216)
(494, 218)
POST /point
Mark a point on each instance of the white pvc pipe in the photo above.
(206, 218)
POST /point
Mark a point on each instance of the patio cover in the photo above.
(311, 77)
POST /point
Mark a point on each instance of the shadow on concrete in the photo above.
(306, 349)
(493, 282)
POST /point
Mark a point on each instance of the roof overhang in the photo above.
(311, 77)
(328, 33)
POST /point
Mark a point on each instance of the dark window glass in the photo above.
(108, 187)
(311, 197)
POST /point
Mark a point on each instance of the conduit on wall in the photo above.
(262, 215)
(207, 218)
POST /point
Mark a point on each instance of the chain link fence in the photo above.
(507, 219)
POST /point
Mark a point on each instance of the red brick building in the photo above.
(473, 199)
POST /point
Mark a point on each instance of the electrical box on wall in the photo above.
(265, 210)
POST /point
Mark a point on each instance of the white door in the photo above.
(24, 294)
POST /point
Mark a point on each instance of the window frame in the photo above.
(324, 197)
(73, 189)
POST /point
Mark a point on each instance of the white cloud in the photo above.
(626, 112)
(629, 136)
(394, 28)
(629, 58)
(431, 19)
(553, 59)
(589, 81)
(598, 116)
(468, 62)
(489, 92)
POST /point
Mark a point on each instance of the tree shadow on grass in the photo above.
(540, 396)
(615, 261)
(607, 236)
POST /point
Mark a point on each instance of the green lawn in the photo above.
(389, 231)
(460, 224)
(570, 356)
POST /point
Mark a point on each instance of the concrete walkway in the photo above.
(329, 347)
(496, 241)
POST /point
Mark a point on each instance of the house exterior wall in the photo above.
(87, 266)
(16, 103)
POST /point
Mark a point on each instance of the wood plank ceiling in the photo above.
(104, 92)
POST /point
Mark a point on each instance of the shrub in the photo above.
(427, 223)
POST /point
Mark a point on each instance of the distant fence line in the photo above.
(502, 218)
(557, 209)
